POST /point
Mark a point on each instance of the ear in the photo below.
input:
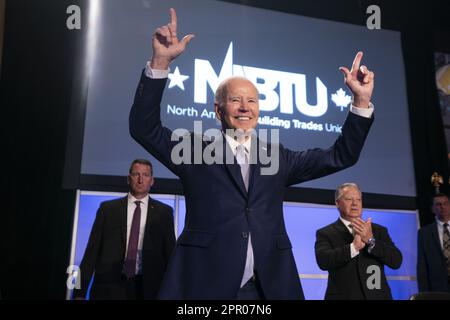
(218, 111)
(152, 182)
(128, 179)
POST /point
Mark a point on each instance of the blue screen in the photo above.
(293, 60)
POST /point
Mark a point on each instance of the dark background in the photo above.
(40, 70)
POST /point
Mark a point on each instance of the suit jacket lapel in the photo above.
(434, 232)
(234, 170)
(254, 170)
(255, 166)
(340, 226)
(123, 220)
(151, 212)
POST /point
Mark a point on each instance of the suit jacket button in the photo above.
(245, 235)
(247, 210)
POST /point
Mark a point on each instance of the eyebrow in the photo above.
(239, 97)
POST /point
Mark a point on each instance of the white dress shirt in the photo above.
(130, 212)
(353, 251)
(234, 144)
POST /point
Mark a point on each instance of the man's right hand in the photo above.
(358, 243)
(165, 43)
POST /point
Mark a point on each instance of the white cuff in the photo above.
(155, 73)
(363, 112)
(353, 251)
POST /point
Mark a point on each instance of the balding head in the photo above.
(221, 91)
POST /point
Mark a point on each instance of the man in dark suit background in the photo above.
(354, 251)
(433, 248)
(234, 244)
(130, 243)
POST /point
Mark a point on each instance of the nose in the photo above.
(243, 107)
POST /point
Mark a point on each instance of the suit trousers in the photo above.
(134, 288)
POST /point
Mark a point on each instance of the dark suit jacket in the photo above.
(347, 277)
(105, 251)
(210, 255)
(431, 265)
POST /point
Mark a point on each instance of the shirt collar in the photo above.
(132, 199)
(346, 223)
(233, 143)
(440, 223)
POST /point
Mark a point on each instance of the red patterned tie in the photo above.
(129, 267)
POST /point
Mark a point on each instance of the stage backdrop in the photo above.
(293, 60)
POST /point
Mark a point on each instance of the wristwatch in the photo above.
(371, 243)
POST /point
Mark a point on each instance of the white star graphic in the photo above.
(177, 79)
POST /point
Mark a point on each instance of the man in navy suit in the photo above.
(234, 244)
(433, 257)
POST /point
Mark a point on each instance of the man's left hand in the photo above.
(360, 81)
(363, 228)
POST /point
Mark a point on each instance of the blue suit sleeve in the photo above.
(145, 122)
(316, 163)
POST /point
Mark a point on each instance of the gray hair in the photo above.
(340, 189)
(222, 90)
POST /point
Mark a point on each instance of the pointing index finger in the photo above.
(357, 61)
(173, 19)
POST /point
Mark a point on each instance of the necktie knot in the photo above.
(352, 231)
(241, 158)
(241, 155)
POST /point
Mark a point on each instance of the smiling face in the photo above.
(349, 203)
(237, 104)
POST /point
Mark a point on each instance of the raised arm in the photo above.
(316, 163)
(360, 81)
(145, 119)
(165, 43)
